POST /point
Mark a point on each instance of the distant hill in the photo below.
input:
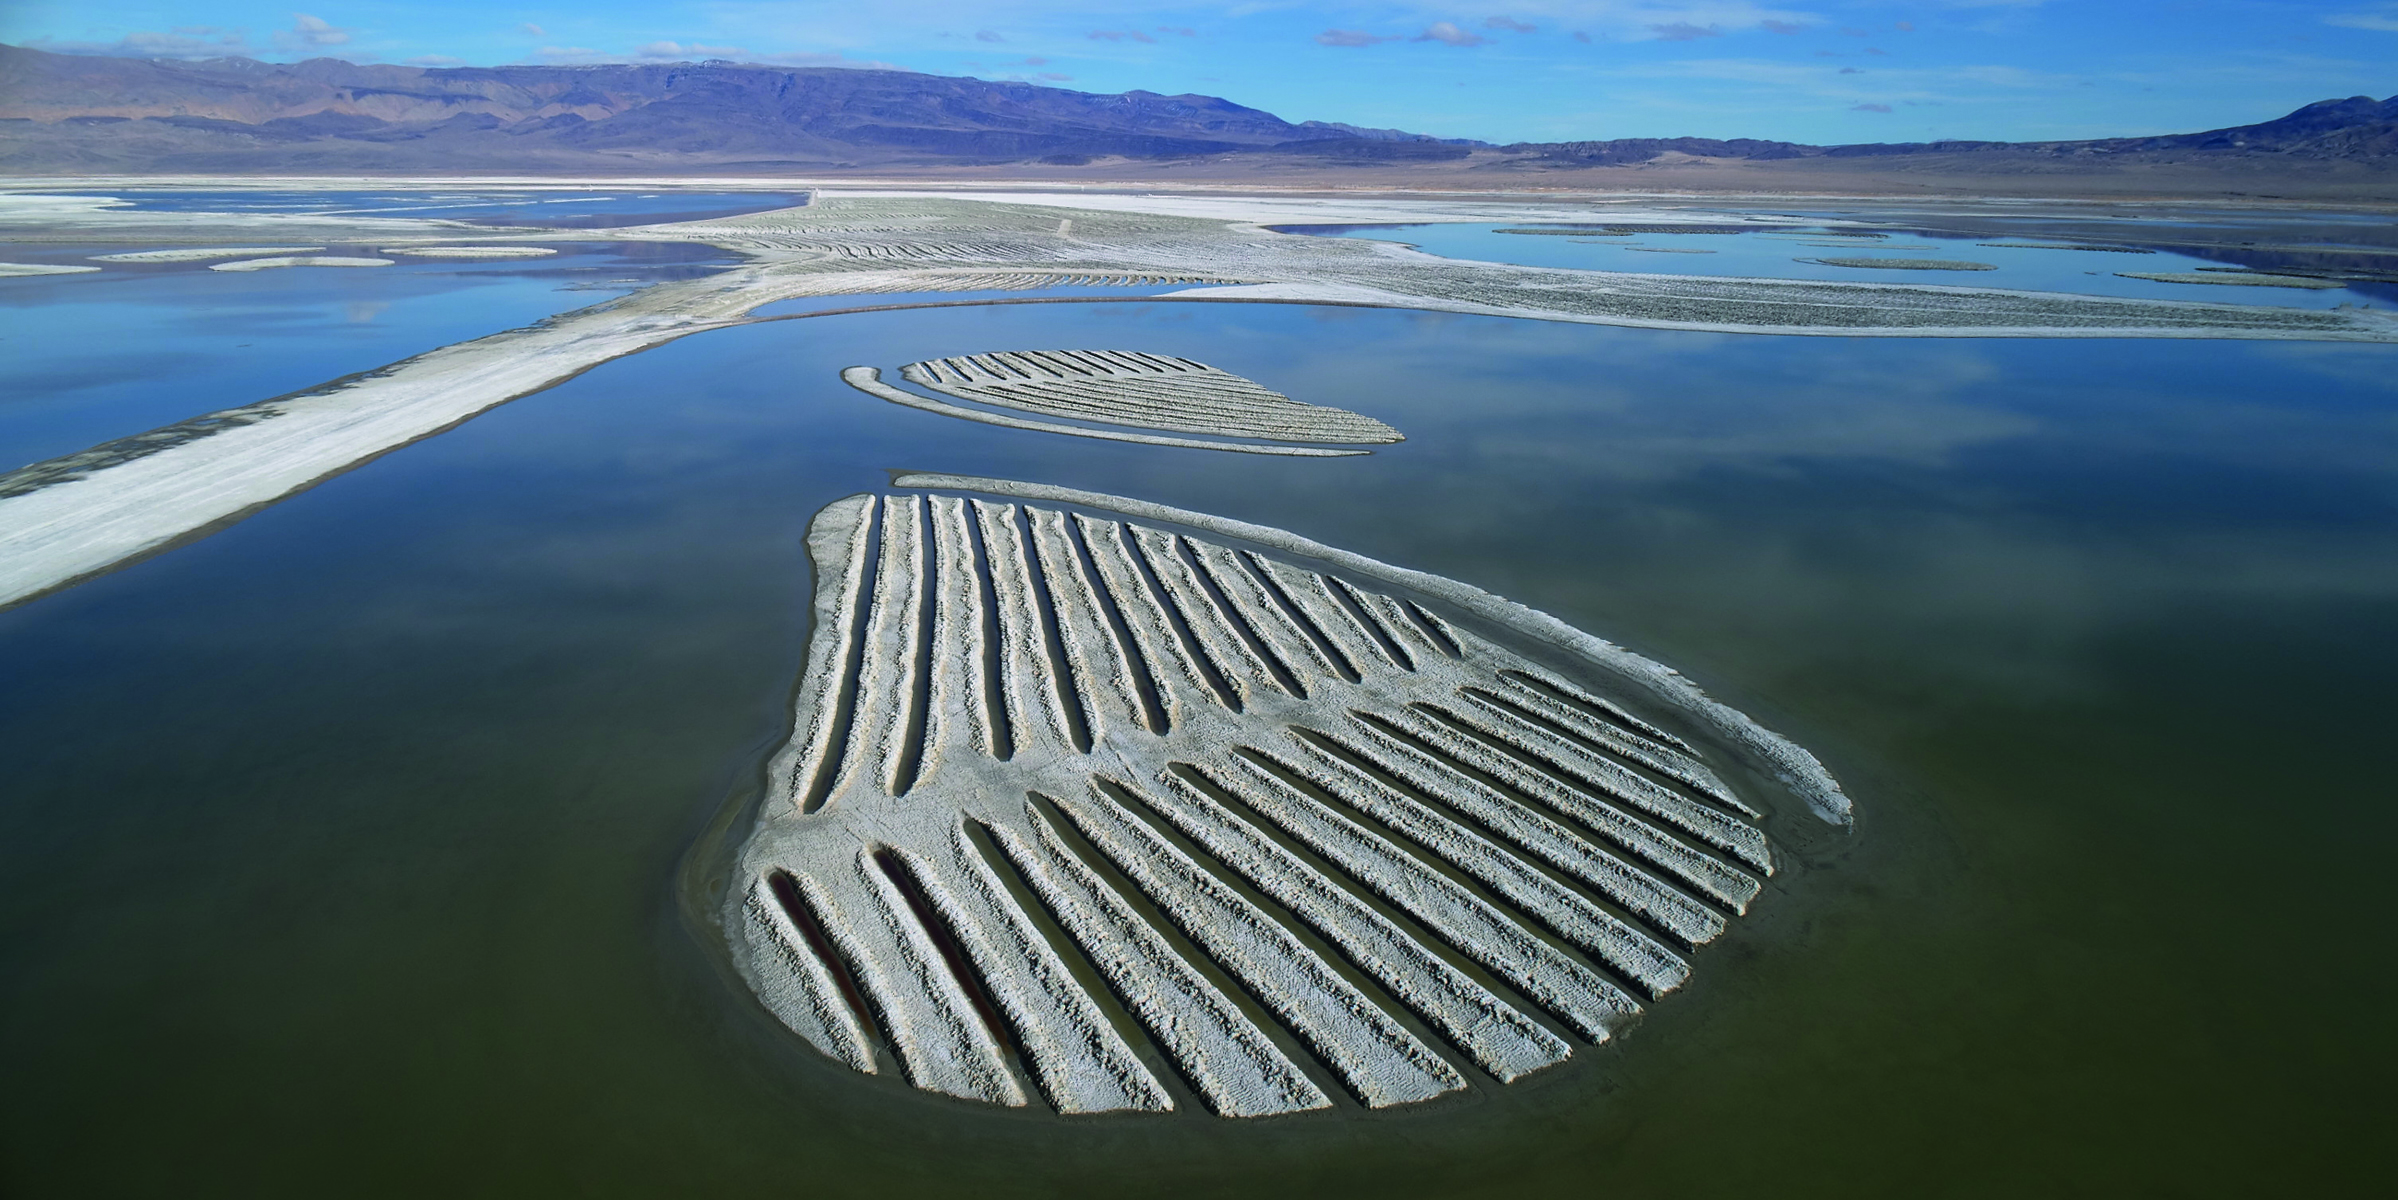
(78, 114)
(66, 112)
(2359, 128)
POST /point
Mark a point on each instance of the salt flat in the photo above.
(68, 518)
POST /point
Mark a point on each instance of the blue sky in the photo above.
(1821, 71)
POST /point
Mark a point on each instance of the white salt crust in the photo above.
(1046, 737)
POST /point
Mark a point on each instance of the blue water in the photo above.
(88, 358)
(344, 851)
(1775, 255)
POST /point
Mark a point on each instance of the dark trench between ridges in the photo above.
(994, 691)
(1599, 793)
(1463, 956)
(1324, 644)
(1284, 676)
(1410, 740)
(1142, 808)
(1346, 596)
(920, 689)
(1053, 638)
(1179, 622)
(1359, 973)
(853, 667)
(820, 942)
(963, 970)
(1151, 912)
(1584, 740)
(1432, 626)
(1087, 974)
(1363, 762)
(1144, 680)
(1579, 704)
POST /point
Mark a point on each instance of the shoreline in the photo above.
(109, 506)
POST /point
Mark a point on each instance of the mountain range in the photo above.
(84, 114)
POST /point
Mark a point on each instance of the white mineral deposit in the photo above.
(1114, 708)
(201, 254)
(304, 260)
(1903, 264)
(2234, 279)
(67, 518)
(1148, 391)
(469, 252)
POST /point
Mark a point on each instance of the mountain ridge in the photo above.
(68, 113)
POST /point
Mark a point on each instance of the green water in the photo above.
(349, 850)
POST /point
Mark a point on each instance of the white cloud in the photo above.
(1448, 34)
(307, 32)
(535, 30)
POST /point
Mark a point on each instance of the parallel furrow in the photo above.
(1503, 1041)
(1559, 756)
(1103, 674)
(1314, 597)
(956, 703)
(1623, 947)
(1236, 1068)
(1266, 619)
(887, 683)
(1209, 626)
(1377, 1057)
(1032, 699)
(837, 543)
(933, 1027)
(1181, 681)
(1546, 975)
(1655, 755)
(1695, 868)
(1525, 681)
(1622, 883)
(797, 985)
(1081, 1062)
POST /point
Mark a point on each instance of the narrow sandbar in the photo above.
(471, 251)
(317, 260)
(8, 269)
(2234, 279)
(1903, 264)
(201, 254)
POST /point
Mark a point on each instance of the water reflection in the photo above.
(350, 835)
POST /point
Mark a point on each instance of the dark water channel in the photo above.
(343, 852)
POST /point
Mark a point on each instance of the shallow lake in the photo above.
(90, 357)
(2031, 260)
(349, 850)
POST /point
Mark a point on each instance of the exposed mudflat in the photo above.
(1906, 264)
(71, 517)
(2235, 279)
(304, 260)
(200, 254)
(471, 251)
(42, 269)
